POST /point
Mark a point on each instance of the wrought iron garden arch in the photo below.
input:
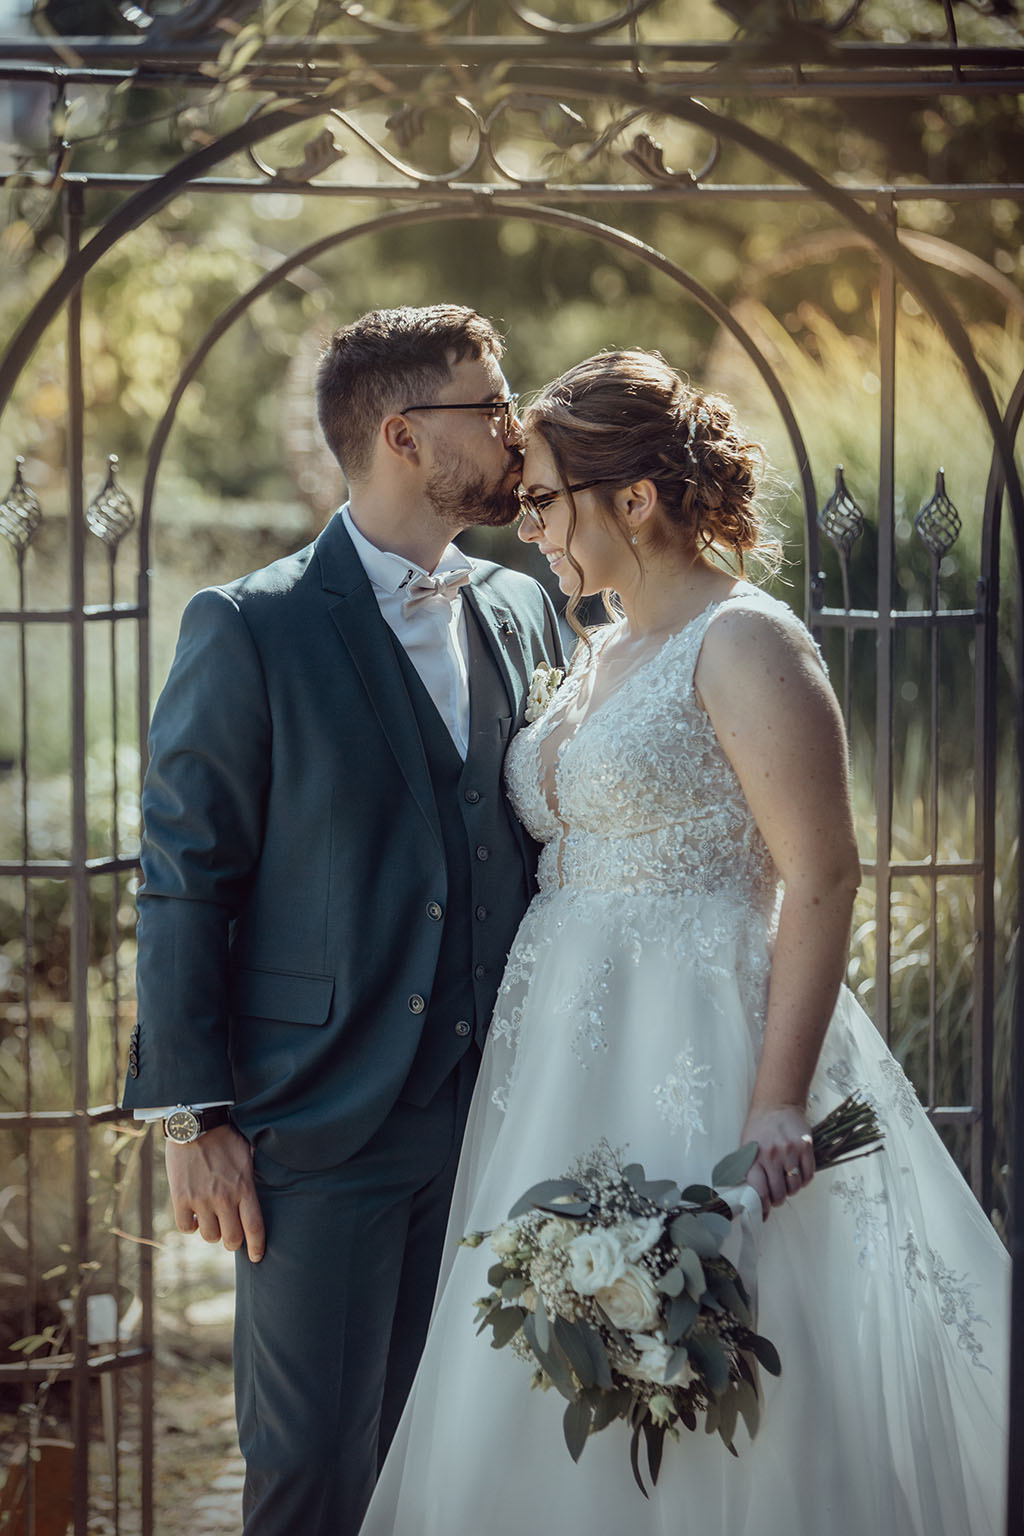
(560, 64)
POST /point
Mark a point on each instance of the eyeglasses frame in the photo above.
(508, 407)
(532, 506)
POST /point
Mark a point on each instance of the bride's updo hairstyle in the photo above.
(626, 416)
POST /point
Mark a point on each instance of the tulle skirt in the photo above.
(882, 1284)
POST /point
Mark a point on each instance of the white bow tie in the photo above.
(446, 586)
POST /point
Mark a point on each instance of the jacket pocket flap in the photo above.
(283, 995)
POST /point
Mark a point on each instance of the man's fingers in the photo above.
(252, 1223)
(209, 1226)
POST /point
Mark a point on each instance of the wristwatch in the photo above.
(184, 1124)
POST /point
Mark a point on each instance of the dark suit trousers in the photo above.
(329, 1326)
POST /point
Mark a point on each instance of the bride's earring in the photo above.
(634, 538)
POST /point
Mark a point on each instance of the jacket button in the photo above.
(462, 1028)
(472, 796)
(416, 1003)
(479, 971)
(435, 910)
(133, 1069)
(481, 913)
(483, 852)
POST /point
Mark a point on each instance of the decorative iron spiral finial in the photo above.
(840, 519)
(110, 515)
(20, 512)
(938, 522)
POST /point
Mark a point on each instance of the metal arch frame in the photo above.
(881, 237)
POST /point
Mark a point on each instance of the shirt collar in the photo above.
(389, 572)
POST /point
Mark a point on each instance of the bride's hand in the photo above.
(785, 1152)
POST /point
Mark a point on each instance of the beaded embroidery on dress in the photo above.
(632, 1009)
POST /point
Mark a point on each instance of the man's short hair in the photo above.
(388, 359)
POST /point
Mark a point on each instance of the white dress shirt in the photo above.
(432, 630)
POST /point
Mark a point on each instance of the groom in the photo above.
(332, 883)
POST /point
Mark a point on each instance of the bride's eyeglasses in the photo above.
(532, 507)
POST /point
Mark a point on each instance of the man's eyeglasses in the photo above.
(532, 507)
(506, 409)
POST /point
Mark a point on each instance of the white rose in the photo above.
(655, 1355)
(596, 1261)
(631, 1300)
(505, 1241)
(556, 1233)
(639, 1237)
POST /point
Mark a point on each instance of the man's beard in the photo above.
(464, 500)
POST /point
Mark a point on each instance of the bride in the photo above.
(661, 995)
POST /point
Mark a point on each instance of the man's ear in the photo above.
(397, 437)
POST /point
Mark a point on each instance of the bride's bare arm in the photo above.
(778, 722)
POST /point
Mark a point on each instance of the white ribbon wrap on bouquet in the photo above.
(741, 1245)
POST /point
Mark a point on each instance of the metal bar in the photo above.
(58, 869)
(90, 613)
(884, 632)
(933, 829)
(430, 47)
(561, 191)
(79, 883)
(899, 618)
(62, 1367)
(911, 867)
(65, 1119)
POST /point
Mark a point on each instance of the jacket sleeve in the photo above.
(203, 806)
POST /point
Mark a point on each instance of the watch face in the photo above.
(181, 1126)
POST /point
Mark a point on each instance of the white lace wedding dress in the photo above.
(631, 1009)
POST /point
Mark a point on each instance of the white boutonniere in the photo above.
(543, 687)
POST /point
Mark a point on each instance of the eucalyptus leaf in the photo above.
(698, 1194)
(734, 1168)
(766, 1352)
(682, 1314)
(574, 1346)
(676, 1360)
(690, 1232)
(727, 1419)
(542, 1195)
(552, 1361)
(710, 1359)
(693, 1269)
(611, 1406)
(634, 1458)
(488, 1317)
(746, 1401)
(671, 1282)
(542, 1324)
(720, 1226)
(497, 1275)
(689, 1418)
(725, 1289)
(513, 1287)
(506, 1325)
(655, 1436)
(576, 1425)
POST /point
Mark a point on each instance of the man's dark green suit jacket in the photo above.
(292, 847)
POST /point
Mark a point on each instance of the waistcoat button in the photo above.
(481, 913)
(435, 910)
(472, 796)
(462, 1028)
(483, 852)
(416, 1003)
(480, 972)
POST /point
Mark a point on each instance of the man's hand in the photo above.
(212, 1188)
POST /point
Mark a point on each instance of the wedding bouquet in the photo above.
(616, 1289)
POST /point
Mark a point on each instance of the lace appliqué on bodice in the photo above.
(646, 798)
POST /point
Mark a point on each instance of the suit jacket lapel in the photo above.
(358, 620)
(505, 642)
